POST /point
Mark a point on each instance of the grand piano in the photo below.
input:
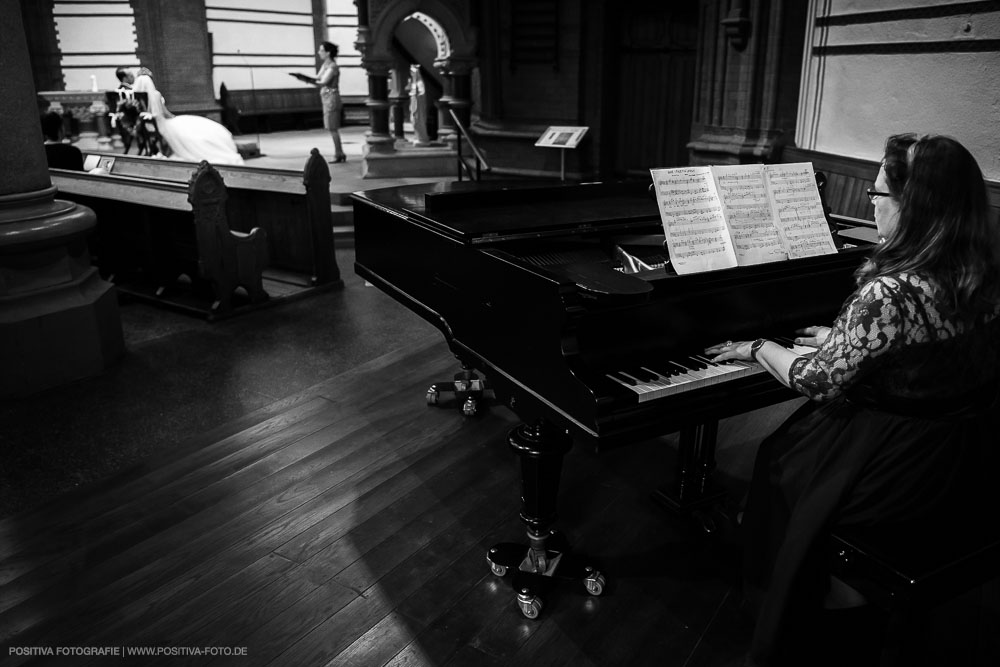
(563, 297)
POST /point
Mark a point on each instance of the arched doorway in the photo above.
(417, 84)
(440, 41)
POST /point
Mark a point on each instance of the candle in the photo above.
(93, 83)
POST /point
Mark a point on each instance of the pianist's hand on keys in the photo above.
(813, 336)
(740, 350)
(683, 374)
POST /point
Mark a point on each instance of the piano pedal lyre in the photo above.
(467, 391)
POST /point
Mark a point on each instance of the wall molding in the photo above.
(891, 48)
(890, 15)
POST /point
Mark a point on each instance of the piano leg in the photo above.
(693, 491)
(545, 558)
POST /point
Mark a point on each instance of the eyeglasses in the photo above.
(875, 193)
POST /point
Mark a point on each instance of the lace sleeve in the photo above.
(866, 327)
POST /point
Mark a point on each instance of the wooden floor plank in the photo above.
(419, 471)
(450, 513)
(353, 389)
(95, 517)
(277, 517)
(348, 525)
(402, 578)
(440, 579)
(163, 507)
(305, 545)
(161, 516)
(322, 569)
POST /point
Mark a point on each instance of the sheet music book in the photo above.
(736, 215)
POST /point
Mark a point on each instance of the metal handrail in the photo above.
(481, 163)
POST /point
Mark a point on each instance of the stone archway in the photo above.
(437, 32)
(454, 37)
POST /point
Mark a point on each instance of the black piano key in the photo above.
(643, 374)
(621, 377)
(694, 362)
(628, 379)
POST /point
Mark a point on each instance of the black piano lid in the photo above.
(491, 211)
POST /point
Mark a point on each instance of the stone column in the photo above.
(457, 96)
(749, 65)
(378, 138)
(399, 100)
(461, 92)
(58, 320)
(446, 126)
(173, 43)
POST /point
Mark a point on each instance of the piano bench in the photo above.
(908, 573)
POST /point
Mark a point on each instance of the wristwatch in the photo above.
(755, 347)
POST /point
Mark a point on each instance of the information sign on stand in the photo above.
(564, 138)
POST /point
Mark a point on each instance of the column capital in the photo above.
(455, 66)
(377, 67)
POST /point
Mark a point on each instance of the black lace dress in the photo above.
(901, 427)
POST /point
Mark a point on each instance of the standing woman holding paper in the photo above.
(328, 80)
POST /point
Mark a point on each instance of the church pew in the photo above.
(159, 239)
(293, 207)
(297, 107)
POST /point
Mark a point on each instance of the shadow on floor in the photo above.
(182, 376)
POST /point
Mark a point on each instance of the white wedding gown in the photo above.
(191, 138)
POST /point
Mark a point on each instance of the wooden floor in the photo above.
(348, 525)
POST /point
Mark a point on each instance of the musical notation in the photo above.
(737, 215)
(693, 221)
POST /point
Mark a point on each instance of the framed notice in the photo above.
(104, 162)
(561, 137)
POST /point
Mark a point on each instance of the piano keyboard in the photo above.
(676, 376)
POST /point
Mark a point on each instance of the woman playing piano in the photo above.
(904, 388)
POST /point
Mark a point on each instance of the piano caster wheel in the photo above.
(470, 407)
(594, 583)
(706, 521)
(497, 569)
(433, 395)
(530, 605)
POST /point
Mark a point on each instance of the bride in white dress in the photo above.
(191, 138)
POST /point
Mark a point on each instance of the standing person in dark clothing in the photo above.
(903, 419)
(59, 155)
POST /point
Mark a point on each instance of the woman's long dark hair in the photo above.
(945, 230)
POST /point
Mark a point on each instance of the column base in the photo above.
(60, 334)
(59, 320)
(409, 160)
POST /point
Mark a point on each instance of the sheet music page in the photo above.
(693, 222)
(799, 210)
(748, 211)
